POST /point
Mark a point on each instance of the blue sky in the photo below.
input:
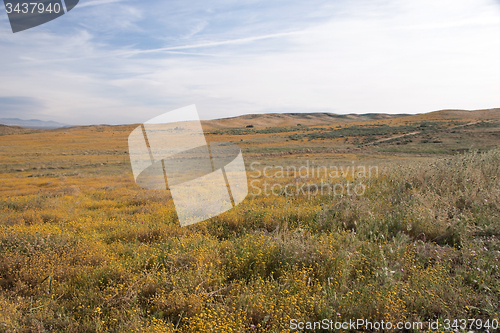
(121, 61)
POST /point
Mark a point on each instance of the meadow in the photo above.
(83, 249)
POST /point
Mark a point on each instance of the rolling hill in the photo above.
(293, 119)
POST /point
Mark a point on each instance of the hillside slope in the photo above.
(293, 119)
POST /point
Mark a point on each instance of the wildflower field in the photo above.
(83, 249)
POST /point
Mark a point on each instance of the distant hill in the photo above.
(461, 114)
(31, 123)
(293, 119)
(260, 121)
(4, 129)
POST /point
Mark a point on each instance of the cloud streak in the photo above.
(213, 43)
(96, 3)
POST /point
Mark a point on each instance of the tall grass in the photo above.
(421, 243)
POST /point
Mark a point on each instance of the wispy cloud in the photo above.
(212, 43)
(197, 29)
(171, 50)
(83, 4)
(19, 106)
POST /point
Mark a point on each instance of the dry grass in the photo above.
(91, 252)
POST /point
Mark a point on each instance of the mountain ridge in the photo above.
(32, 123)
(265, 120)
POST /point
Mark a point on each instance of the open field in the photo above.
(83, 249)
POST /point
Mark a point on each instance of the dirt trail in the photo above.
(394, 137)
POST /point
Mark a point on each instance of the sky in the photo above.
(123, 61)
